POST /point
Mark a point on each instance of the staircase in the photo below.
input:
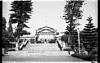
(41, 47)
(36, 50)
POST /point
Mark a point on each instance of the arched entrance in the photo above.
(45, 34)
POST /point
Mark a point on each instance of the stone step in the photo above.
(40, 50)
(37, 47)
(47, 53)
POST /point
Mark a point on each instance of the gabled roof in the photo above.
(46, 28)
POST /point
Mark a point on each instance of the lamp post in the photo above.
(78, 39)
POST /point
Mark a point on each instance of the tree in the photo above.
(10, 31)
(72, 14)
(4, 33)
(64, 38)
(23, 32)
(89, 35)
(74, 38)
(21, 13)
(3, 23)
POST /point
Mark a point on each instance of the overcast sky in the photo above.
(48, 13)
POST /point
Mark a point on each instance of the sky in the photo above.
(49, 13)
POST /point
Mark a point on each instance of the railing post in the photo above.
(16, 46)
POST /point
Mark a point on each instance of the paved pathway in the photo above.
(40, 52)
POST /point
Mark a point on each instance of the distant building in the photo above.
(45, 34)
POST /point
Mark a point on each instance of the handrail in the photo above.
(23, 43)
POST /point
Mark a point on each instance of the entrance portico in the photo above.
(45, 34)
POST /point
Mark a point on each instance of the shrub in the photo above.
(94, 54)
(38, 42)
(85, 57)
(52, 41)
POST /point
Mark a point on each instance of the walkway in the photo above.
(40, 52)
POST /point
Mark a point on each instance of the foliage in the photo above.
(5, 39)
(32, 41)
(39, 42)
(64, 38)
(89, 35)
(3, 23)
(10, 31)
(72, 13)
(21, 13)
(23, 32)
(74, 38)
(93, 55)
(52, 41)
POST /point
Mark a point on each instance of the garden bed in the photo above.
(85, 57)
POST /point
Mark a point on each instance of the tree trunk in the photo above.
(69, 40)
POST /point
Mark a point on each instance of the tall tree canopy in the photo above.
(21, 13)
(72, 13)
(89, 35)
